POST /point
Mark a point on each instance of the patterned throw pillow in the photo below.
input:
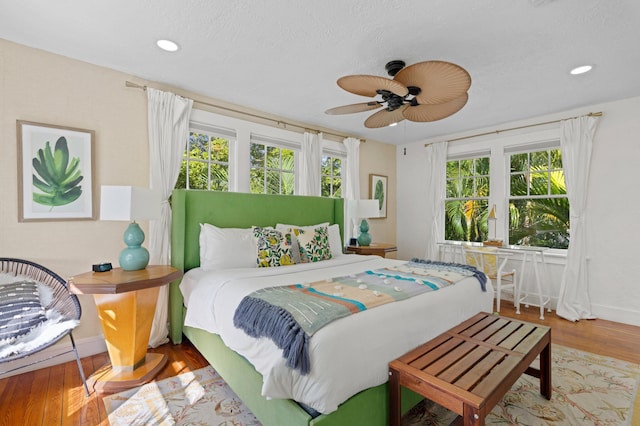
(314, 244)
(20, 309)
(274, 247)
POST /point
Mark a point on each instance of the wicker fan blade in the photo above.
(350, 109)
(368, 85)
(439, 81)
(384, 118)
(437, 112)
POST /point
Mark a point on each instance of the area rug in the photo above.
(588, 389)
(199, 397)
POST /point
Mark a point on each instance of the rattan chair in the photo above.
(63, 302)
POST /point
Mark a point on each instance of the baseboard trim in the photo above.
(86, 347)
(612, 313)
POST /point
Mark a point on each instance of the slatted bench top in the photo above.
(469, 368)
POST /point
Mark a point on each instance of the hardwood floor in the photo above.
(55, 396)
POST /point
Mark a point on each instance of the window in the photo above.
(206, 161)
(538, 203)
(331, 179)
(467, 199)
(272, 168)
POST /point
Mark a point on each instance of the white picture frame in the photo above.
(378, 190)
(55, 172)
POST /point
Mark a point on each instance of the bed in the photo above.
(368, 405)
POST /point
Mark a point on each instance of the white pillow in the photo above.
(335, 242)
(225, 248)
(281, 227)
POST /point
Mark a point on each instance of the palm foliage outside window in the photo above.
(467, 199)
(331, 180)
(538, 203)
(206, 163)
(272, 169)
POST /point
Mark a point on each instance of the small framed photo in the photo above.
(55, 173)
(378, 191)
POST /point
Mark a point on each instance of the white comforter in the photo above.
(348, 355)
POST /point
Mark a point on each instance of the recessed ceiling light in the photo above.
(581, 70)
(167, 45)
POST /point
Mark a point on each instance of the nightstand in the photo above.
(379, 249)
(126, 302)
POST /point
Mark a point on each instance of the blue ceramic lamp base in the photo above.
(134, 257)
(364, 239)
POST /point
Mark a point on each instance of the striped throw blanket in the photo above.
(290, 315)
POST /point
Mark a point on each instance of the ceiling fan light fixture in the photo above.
(393, 67)
(426, 91)
(581, 69)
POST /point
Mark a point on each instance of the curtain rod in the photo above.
(278, 122)
(591, 114)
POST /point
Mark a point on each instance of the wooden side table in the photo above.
(379, 249)
(126, 302)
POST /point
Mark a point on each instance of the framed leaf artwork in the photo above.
(378, 191)
(55, 172)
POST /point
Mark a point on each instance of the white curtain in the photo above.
(352, 187)
(168, 126)
(576, 140)
(436, 193)
(310, 173)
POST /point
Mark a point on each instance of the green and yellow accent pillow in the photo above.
(313, 244)
(274, 247)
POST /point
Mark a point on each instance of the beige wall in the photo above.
(380, 159)
(46, 88)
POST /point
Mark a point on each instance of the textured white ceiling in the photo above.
(284, 56)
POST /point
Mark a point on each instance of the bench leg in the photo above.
(545, 371)
(394, 398)
(472, 416)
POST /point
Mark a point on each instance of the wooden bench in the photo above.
(469, 368)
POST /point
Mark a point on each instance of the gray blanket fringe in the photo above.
(259, 318)
(480, 276)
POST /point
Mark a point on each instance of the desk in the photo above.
(379, 249)
(533, 253)
(126, 302)
(452, 251)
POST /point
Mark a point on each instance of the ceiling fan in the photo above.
(426, 91)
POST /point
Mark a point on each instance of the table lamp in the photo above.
(366, 209)
(130, 203)
(491, 224)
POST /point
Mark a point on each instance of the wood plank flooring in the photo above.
(55, 396)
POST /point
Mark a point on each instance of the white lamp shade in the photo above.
(129, 203)
(368, 208)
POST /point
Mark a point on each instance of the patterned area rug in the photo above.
(200, 397)
(588, 389)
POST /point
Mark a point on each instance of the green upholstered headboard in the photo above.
(190, 208)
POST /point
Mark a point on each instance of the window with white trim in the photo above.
(205, 163)
(522, 176)
(538, 203)
(331, 176)
(272, 166)
(467, 198)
